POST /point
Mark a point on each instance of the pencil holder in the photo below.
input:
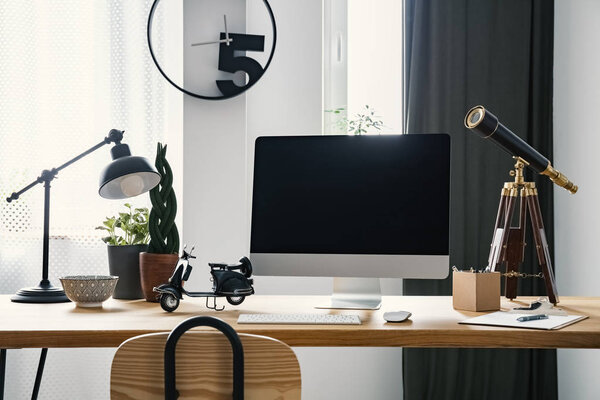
(473, 291)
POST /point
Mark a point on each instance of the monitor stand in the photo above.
(355, 294)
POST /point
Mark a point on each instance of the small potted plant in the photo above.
(364, 122)
(157, 264)
(127, 237)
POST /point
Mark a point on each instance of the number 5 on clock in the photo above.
(229, 63)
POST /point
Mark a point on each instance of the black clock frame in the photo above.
(198, 96)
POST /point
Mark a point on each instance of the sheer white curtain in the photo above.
(70, 70)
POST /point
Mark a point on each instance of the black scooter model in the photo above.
(227, 282)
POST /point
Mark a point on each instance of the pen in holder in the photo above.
(476, 291)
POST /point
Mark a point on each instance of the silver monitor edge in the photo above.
(351, 265)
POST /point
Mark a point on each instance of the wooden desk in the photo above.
(433, 324)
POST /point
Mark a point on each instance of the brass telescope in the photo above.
(508, 242)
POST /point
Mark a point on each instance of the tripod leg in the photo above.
(495, 247)
(508, 215)
(515, 251)
(501, 228)
(541, 245)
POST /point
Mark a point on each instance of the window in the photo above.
(362, 64)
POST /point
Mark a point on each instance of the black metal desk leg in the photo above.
(2, 371)
(38, 375)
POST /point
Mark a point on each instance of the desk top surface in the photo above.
(434, 323)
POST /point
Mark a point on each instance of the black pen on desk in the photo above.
(532, 317)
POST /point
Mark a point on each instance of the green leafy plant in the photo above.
(128, 228)
(364, 121)
(164, 237)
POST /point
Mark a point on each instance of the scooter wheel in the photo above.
(169, 302)
(235, 300)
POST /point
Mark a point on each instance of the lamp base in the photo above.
(43, 293)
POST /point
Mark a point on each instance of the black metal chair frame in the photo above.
(236, 346)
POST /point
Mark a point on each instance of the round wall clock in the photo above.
(227, 44)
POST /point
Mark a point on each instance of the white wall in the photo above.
(218, 156)
(214, 156)
(576, 144)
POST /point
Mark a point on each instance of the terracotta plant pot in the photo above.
(155, 269)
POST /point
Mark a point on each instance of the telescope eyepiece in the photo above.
(481, 121)
(474, 117)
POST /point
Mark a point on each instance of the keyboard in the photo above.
(300, 319)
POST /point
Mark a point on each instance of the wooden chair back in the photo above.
(204, 368)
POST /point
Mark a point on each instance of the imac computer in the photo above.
(356, 208)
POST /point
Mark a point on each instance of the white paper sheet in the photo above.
(503, 318)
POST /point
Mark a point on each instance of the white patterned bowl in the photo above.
(89, 290)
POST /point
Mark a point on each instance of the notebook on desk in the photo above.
(503, 318)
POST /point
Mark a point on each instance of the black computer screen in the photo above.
(384, 194)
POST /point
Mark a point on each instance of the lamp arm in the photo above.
(114, 136)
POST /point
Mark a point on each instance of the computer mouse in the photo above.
(396, 316)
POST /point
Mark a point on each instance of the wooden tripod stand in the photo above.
(508, 244)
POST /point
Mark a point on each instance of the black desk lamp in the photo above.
(126, 176)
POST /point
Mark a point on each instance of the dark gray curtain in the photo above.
(497, 53)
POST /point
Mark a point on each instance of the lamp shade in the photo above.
(127, 175)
